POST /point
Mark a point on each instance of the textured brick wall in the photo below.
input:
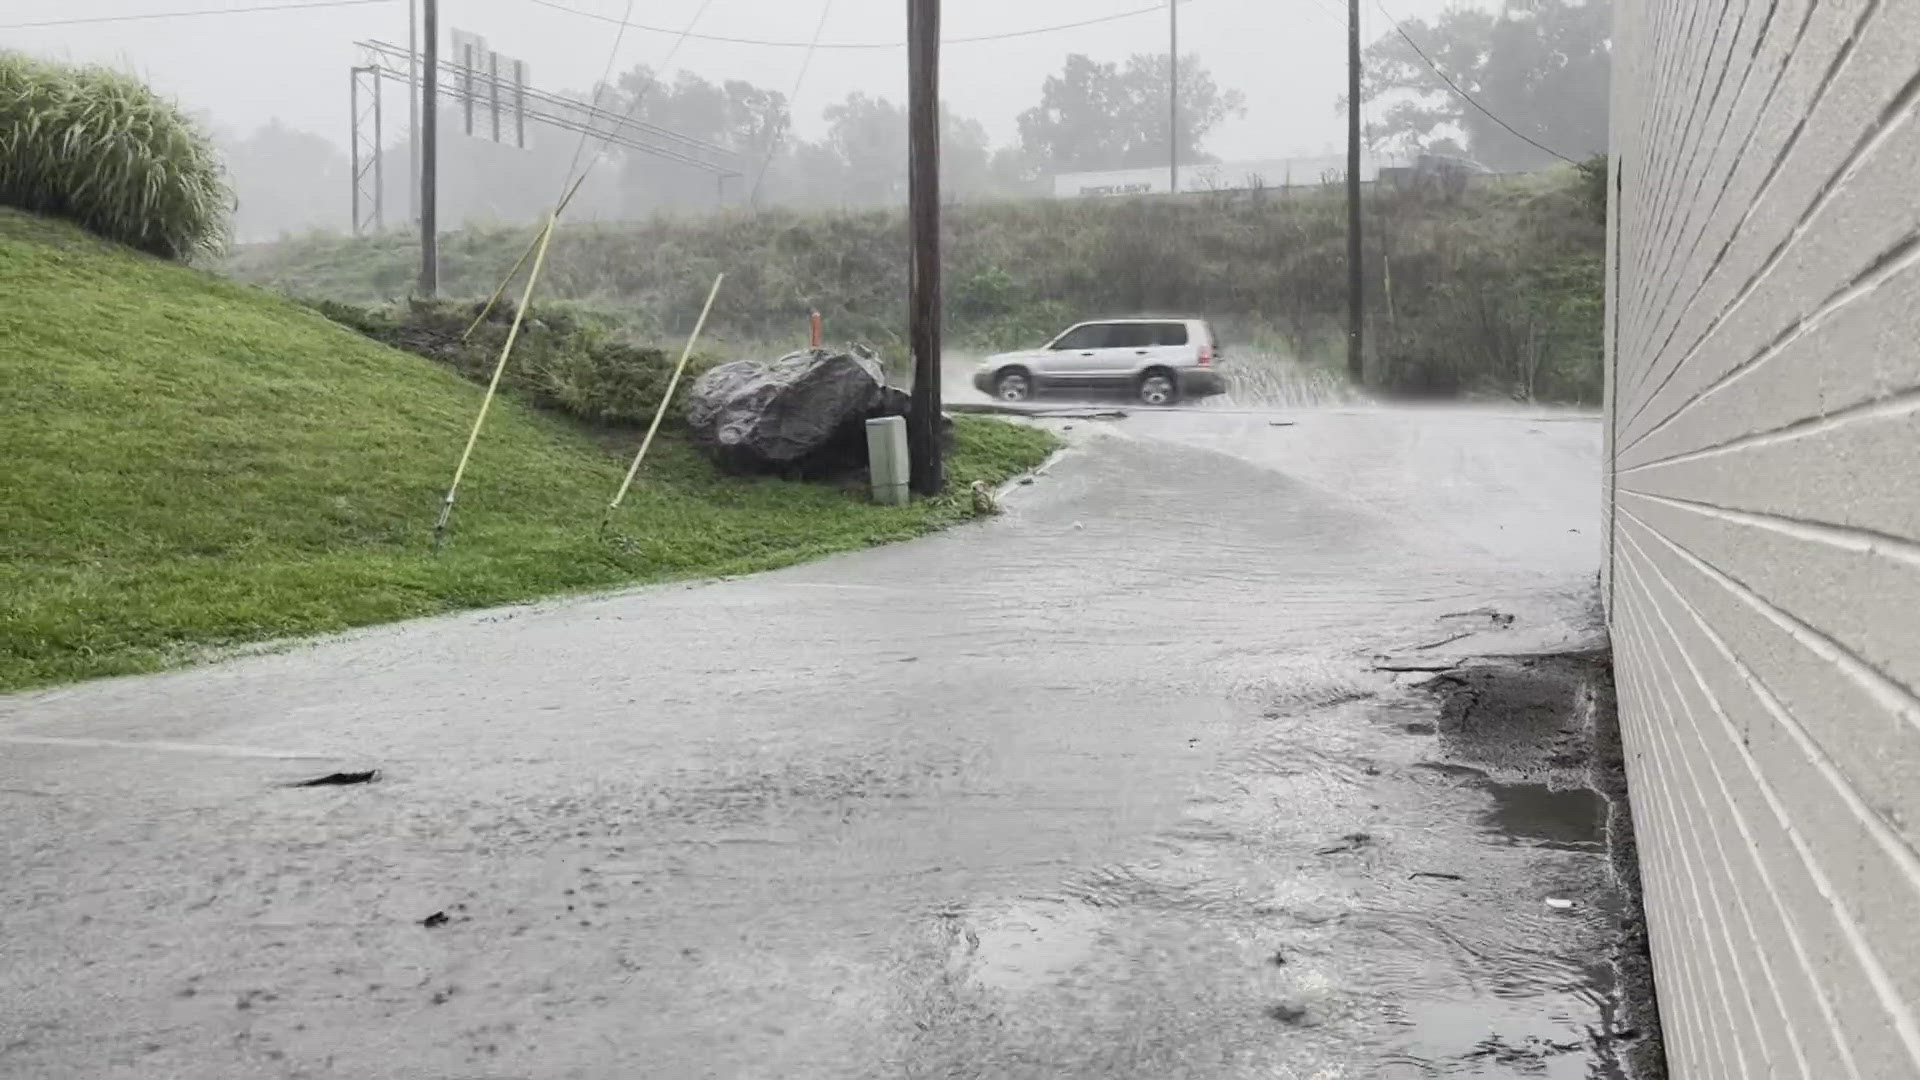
(1764, 586)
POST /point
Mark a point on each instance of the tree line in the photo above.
(1092, 115)
(1539, 66)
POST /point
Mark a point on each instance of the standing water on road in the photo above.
(1111, 785)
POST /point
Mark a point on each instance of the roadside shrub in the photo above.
(988, 292)
(102, 150)
(564, 360)
(1593, 186)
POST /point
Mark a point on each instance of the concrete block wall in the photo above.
(1764, 580)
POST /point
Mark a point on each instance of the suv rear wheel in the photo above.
(1014, 385)
(1157, 387)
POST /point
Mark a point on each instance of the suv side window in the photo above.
(1169, 334)
(1131, 336)
(1090, 336)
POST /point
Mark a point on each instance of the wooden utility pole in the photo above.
(923, 214)
(1356, 282)
(1173, 97)
(413, 112)
(430, 150)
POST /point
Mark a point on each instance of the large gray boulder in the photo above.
(803, 413)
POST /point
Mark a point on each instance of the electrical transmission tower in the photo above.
(498, 106)
(369, 193)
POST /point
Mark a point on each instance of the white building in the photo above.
(1221, 176)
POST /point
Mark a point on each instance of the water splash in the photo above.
(1263, 379)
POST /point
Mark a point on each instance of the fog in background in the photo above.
(273, 86)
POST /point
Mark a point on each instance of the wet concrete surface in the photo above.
(1109, 785)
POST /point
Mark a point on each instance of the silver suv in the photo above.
(1159, 360)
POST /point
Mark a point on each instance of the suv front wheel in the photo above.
(1157, 387)
(1013, 386)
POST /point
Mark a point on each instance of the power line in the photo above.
(639, 96)
(606, 76)
(576, 182)
(1320, 8)
(773, 144)
(478, 87)
(190, 14)
(861, 44)
(1466, 97)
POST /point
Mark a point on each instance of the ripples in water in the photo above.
(1330, 884)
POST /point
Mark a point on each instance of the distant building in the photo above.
(1220, 176)
(1280, 174)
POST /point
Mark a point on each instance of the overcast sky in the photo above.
(1287, 56)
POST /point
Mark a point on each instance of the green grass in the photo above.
(192, 465)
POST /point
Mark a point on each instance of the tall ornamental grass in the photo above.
(99, 148)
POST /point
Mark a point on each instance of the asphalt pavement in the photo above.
(1111, 784)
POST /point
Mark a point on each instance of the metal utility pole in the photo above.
(1356, 282)
(1173, 97)
(430, 150)
(923, 215)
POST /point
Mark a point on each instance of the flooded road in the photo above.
(1110, 785)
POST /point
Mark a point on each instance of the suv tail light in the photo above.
(1206, 356)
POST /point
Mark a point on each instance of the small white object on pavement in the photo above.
(1558, 904)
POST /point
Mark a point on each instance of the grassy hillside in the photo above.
(1495, 290)
(191, 463)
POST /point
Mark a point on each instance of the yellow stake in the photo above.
(667, 399)
(499, 369)
(539, 240)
